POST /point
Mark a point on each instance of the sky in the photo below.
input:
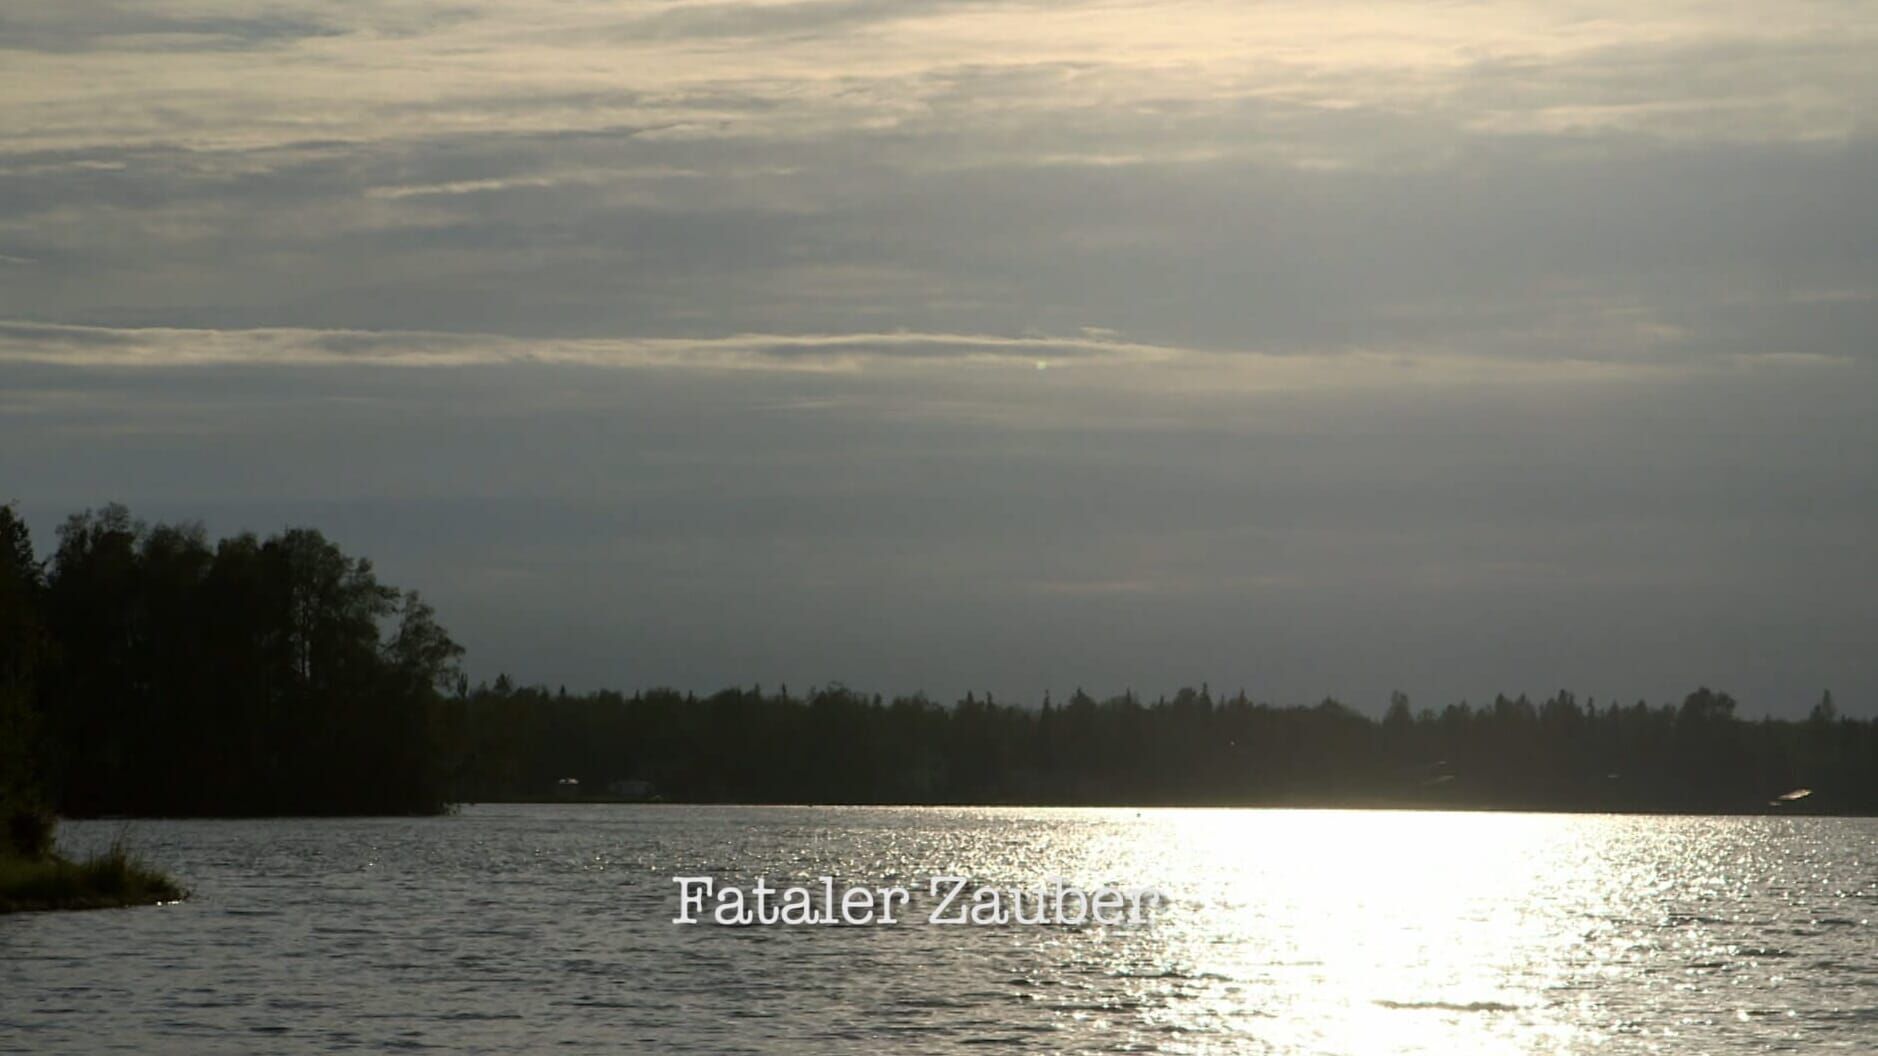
(1305, 348)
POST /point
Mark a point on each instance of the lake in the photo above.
(535, 929)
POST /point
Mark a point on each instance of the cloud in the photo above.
(157, 347)
(1236, 177)
(103, 25)
(1379, 346)
(1099, 360)
(786, 19)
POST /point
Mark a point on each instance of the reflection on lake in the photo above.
(548, 928)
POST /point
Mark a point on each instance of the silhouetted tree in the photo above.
(252, 677)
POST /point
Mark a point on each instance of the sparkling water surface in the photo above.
(537, 929)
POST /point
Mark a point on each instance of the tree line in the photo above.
(834, 745)
(144, 670)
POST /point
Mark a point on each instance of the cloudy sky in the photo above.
(1314, 348)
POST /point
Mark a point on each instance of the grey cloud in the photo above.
(92, 25)
(784, 19)
(164, 347)
(55, 338)
(1387, 359)
(1219, 254)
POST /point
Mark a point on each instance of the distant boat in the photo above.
(1789, 797)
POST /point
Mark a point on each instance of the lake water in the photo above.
(536, 929)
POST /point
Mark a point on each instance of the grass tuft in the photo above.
(114, 877)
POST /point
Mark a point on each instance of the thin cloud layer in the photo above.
(158, 347)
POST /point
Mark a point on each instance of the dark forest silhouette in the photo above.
(837, 746)
(145, 671)
(153, 673)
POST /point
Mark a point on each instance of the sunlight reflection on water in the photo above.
(510, 929)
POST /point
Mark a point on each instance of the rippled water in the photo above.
(539, 929)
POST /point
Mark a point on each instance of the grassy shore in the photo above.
(111, 878)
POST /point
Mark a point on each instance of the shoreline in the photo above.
(110, 879)
(1377, 805)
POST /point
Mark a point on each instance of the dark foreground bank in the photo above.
(105, 881)
(34, 877)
